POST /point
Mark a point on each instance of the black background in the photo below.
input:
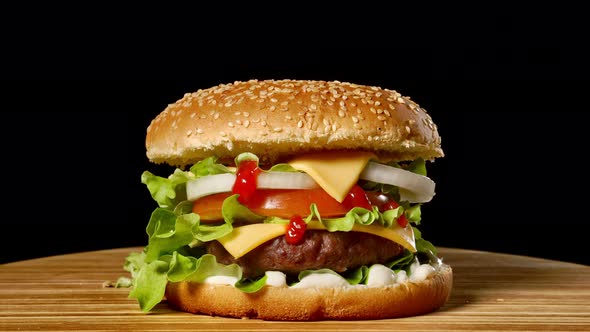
(511, 113)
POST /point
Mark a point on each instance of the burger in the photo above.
(291, 200)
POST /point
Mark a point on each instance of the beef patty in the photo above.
(338, 251)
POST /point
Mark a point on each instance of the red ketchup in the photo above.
(245, 184)
(402, 220)
(295, 230)
(357, 198)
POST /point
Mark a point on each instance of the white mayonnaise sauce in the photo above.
(322, 280)
(276, 279)
(379, 276)
(220, 280)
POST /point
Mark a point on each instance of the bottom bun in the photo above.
(278, 303)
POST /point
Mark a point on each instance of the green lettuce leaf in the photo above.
(414, 214)
(207, 266)
(167, 192)
(417, 166)
(251, 286)
(208, 166)
(168, 232)
(150, 284)
(233, 211)
(401, 263)
(357, 276)
(282, 168)
(423, 246)
(246, 156)
(181, 267)
(133, 263)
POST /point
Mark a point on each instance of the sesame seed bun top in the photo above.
(279, 119)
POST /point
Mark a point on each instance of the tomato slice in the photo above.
(274, 202)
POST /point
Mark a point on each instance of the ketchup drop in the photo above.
(245, 184)
(402, 220)
(357, 197)
(295, 230)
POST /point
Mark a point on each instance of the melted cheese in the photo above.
(335, 172)
(244, 239)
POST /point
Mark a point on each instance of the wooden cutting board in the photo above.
(492, 292)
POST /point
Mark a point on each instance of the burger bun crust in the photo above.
(303, 304)
(279, 119)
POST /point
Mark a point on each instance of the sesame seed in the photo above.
(277, 129)
(188, 133)
(300, 124)
(355, 119)
(199, 131)
(239, 122)
(263, 123)
(380, 117)
(373, 110)
(342, 103)
(341, 113)
(285, 103)
(203, 116)
(353, 104)
(222, 133)
(331, 103)
(246, 114)
(274, 100)
(228, 104)
(357, 126)
(263, 133)
(377, 103)
(288, 117)
(193, 115)
(408, 129)
(238, 113)
(400, 100)
(313, 107)
(216, 116)
(314, 126)
(334, 127)
(370, 138)
(272, 108)
(387, 112)
(379, 111)
(326, 122)
(358, 110)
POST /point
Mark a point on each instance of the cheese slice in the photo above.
(336, 172)
(244, 239)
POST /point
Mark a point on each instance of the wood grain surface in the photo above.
(492, 292)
